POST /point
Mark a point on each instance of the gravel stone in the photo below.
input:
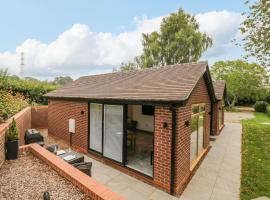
(28, 178)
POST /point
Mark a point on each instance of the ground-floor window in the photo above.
(220, 116)
(198, 131)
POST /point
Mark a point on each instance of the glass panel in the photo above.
(96, 127)
(220, 118)
(140, 144)
(113, 132)
(202, 108)
(193, 138)
(200, 132)
(195, 109)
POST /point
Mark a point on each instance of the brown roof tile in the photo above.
(170, 83)
(219, 87)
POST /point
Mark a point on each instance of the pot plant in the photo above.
(12, 143)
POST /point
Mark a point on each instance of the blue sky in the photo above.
(35, 26)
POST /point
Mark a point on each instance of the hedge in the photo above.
(10, 104)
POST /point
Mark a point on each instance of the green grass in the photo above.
(255, 181)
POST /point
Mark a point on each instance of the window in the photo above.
(106, 130)
(148, 110)
(197, 131)
(220, 115)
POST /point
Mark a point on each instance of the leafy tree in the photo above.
(30, 79)
(178, 41)
(62, 80)
(32, 90)
(256, 31)
(244, 80)
(130, 66)
(3, 76)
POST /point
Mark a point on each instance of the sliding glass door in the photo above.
(96, 127)
(113, 132)
(106, 130)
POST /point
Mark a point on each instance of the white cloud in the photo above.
(222, 26)
(79, 51)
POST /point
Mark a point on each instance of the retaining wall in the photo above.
(30, 117)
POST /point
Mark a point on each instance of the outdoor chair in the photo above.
(85, 167)
(52, 148)
(131, 133)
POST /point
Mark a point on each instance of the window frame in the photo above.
(197, 115)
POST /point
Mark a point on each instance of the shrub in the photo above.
(30, 89)
(260, 106)
(10, 104)
(267, 111)
(13, 132)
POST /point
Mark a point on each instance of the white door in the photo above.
(113, 132)
(96, 127)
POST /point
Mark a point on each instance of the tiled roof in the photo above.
(169, 84)
(219, 87)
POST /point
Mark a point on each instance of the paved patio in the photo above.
(217, 178)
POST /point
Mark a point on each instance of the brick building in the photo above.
(218, 107)
(152, 124)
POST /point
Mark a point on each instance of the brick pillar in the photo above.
(162, 147)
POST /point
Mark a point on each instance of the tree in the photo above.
(30, 79)
(244, 80)
(62, 80)
(256, 31)
(3, 76)
(129, 66)
(178, 41)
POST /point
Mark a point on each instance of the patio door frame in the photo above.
(124, 143)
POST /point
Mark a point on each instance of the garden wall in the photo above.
(30, 117)
(39, 116)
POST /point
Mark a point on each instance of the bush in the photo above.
(13, 132)
(267, 111)
(260, 106)
(30, 89)
(10, 104)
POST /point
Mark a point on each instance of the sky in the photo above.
(75, 38)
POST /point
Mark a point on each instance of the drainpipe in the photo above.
(173, 141)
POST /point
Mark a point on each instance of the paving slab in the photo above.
(218, 177)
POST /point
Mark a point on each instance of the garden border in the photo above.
(87, 184)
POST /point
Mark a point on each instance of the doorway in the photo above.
(106, 130)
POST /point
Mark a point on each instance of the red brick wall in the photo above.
(162, 147)
(39, 116)
(59, 112)
(182, 158)
(23, 122)
(3, 128)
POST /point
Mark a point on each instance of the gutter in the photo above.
(173, 142)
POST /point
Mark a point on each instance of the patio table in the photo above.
(77, 157)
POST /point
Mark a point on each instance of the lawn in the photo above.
(255, 180)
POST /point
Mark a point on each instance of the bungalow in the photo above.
(153, 124)
(218, 107)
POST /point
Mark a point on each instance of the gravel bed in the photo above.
(28, 178)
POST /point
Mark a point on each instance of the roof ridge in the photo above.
(149, 69)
